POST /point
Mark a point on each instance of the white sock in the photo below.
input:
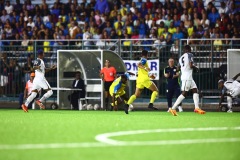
(46, 95)
(178, 101)
(196, 100)
(229, 102)
(30, 98)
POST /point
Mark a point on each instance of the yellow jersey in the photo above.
(117, 87)
(142, 73)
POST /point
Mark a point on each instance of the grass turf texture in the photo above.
(56, 126)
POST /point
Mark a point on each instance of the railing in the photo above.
(210, 58)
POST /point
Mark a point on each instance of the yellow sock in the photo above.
(131, 99)
(153, 96)
(115, 103)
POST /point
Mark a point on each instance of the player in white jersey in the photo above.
(187, 66)
(230, 88)
(39, 82)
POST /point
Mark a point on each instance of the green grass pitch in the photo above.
(71, 135)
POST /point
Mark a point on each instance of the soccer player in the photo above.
(108, 75)
(143, 80)
(231, 88)
(117, 90)
(187, 66)
(171, 73)
(39, 82)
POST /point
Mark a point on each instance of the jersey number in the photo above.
(182, 61)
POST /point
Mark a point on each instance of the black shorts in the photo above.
(107, 85)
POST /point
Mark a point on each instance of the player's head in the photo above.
(144, 53)
(220, 84)
(78, 75)
(40, 53)
(107, 63)
(171, 62)
(187, 48)
(32, 75)
(124, 78)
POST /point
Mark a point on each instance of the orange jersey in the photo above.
(29, 85)
(109, 73)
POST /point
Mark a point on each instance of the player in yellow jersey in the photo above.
(117, 90)
(143, 81)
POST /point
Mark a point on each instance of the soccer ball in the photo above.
(96, 107)
(89, 107)
(130, 108)
(84, 107)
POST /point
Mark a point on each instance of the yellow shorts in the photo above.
(141, 84)
(118, 94)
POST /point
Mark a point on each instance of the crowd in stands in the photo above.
(163, 22)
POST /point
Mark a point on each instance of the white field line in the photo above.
(105, 141)
(105, 138)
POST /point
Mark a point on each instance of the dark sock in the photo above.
(106, 103)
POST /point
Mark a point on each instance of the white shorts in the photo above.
(236, 92)
(4, 80)
(188, 85)
(40, 84)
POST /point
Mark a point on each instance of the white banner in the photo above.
(153, 64)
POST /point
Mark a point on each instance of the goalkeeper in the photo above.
(143, 80)
(117, 90)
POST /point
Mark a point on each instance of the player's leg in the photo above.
(30, 98)
(151, 86)
(229, 104)
(196, 98)
(185, 88)
(45, 86)
(106, 93)
(177, 92)
(169, 92)
(137, 93)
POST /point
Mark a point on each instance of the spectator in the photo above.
(204, 21)
(8, 7)
(4, 16)
(217, 44)
(4, 65)
(213, 16)
(78, 83)
(173, 88)
(185, 15)
(102, 6)
(171, 28)
(191, 29)
(178, 34)
(18, 7)
(27, 68)
(176, 21)
(161, 29)
(30, 22)
(223, 8)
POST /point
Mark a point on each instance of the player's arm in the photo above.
(166, 75)
(191, 62)
(51, 68)
(143, 67)
(222, 96)
(235, 77)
